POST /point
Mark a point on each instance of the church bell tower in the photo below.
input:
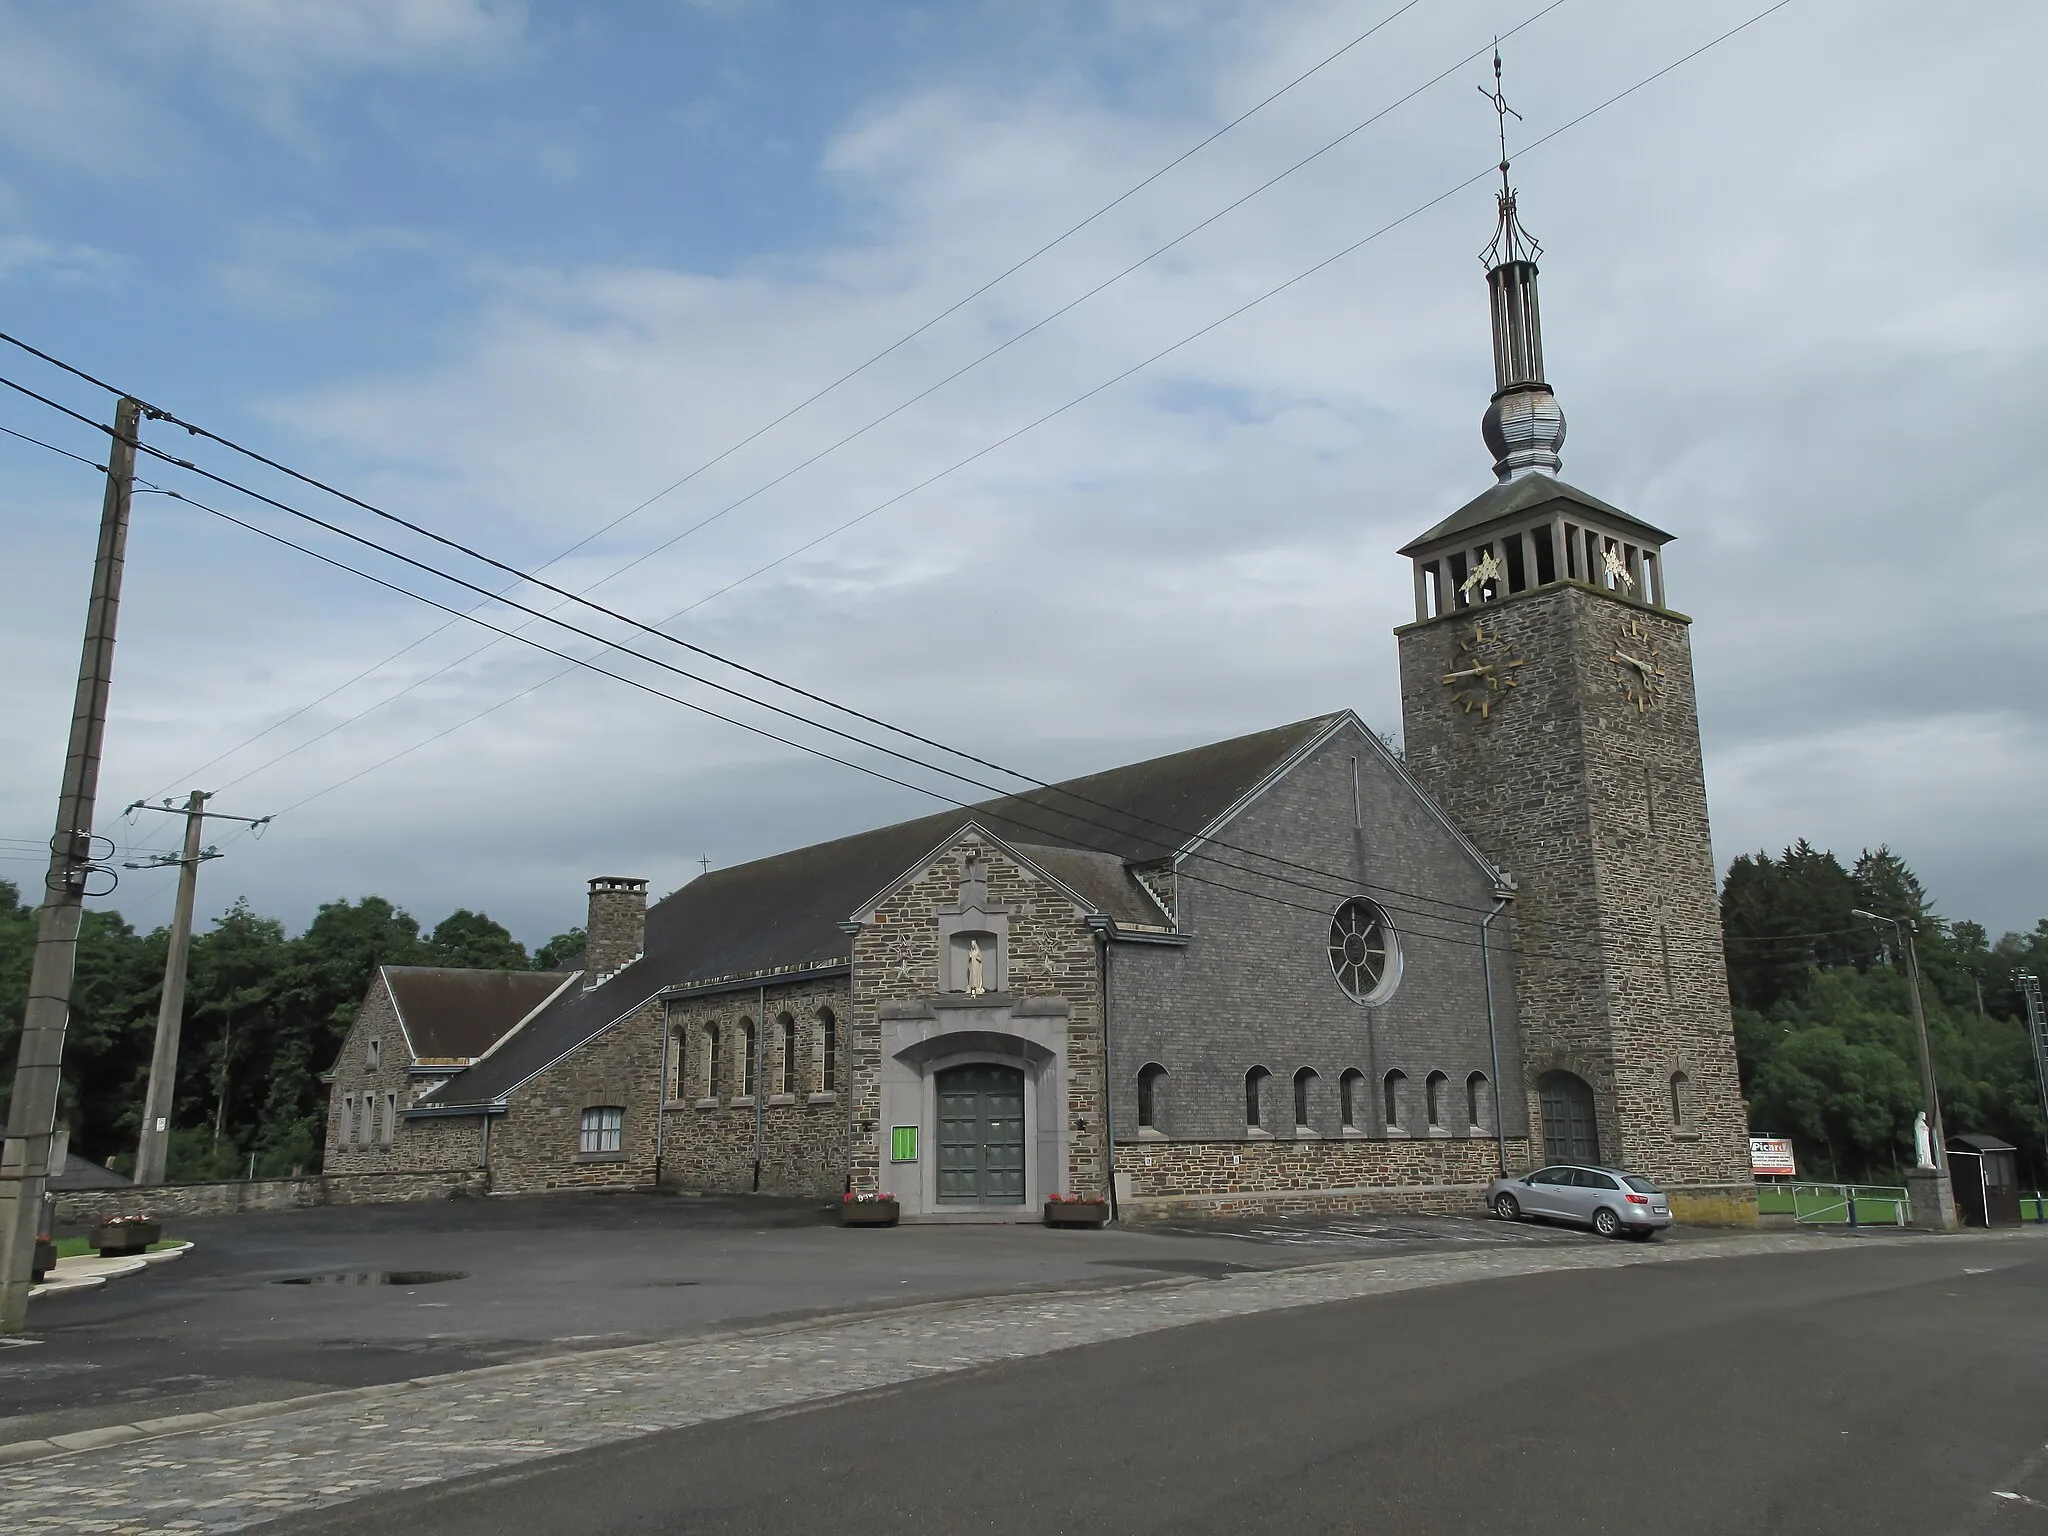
(1547, 704)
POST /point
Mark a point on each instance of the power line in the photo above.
(583, 596)
(749, 671)
(844, 378)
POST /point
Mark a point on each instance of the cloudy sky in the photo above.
(514, 271)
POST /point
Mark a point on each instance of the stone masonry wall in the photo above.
(1254, 987)
(709, 1142)
(368, 1149)
(169, 1201)
(1192, 1178)
(535, 1144)
(1052, 955)
(1599, 811)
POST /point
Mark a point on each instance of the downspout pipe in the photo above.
(1500, 1134)
(661, 1095)
(760, 1075)
(1101, 927)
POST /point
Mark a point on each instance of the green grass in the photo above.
(78, 1247)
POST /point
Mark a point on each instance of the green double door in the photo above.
(981, 1136)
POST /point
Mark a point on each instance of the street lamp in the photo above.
(1928, 1188)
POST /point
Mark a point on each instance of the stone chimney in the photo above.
(616, 931)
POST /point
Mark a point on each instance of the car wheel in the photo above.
(1507, 1208)
(1606, 1223)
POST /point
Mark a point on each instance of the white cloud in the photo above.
(1795, 338)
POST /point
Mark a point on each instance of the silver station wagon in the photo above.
(1608, 1200)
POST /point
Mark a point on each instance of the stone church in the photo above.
(1287, 971)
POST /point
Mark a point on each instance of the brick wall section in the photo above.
(1254, 984)
(708, 1146)
(1600, 813)
(1192, 1178)
(1052, 955)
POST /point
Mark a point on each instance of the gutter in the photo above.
(448, 1111)
(1103, 928)
(756, 982)
(1503, 894)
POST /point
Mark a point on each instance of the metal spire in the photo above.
(1511, 242)
(1523, 425)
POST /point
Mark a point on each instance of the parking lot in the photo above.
(279, 1305)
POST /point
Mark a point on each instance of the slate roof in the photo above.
(783, 913)
(1522, 495)
(457, 1015)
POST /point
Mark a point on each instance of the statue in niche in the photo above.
(974, 986)
(1923, 1142)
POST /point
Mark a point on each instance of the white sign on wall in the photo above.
(1771, 1156)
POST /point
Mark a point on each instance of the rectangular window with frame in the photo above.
(603, 1129)
(390, 1119)
(373, 1053)
(348, 1119)
(828, 1033)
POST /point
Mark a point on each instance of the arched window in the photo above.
(750, 1062)
(828, 1051)
(1679, 1082)
(1479, 1101)
(713, 1064)
(785, 1054)
(1395, 1090)
(1254, 1098)
(1150, 1076)
(1433, 1089)
(602, 1129)
(1348, 1087)
(1303, 1081)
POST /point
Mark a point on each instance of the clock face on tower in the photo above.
(1482, 670)
(1635, 666)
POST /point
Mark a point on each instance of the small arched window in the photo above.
(785, 1054)
(1348, 1087)
(1394, 1089)
(1679, 1083)
(1254, 1098)
(828, 1051)
(714, 1065)
(749, 1063)
(1150, 1076)
(1433, 1089)
(1479, 1101)
(1304, 1080)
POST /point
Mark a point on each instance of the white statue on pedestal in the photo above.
(1923, 1142)
(974, 986)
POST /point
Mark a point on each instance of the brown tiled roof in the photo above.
(784, 912)
(457, 1015)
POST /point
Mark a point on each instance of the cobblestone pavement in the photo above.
(345, 1445)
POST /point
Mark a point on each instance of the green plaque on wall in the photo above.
(902, 1143)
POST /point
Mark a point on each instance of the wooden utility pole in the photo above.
(32, 1112)
(170, 1013)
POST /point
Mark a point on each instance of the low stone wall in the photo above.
(1438, 1175)
(169, 1201)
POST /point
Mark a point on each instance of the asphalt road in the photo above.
(1856, 1389)
(548, 1275)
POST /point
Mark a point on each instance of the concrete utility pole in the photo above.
(32, 1112)
(2037, 1030)
(1930, 1196)
(170, 1013)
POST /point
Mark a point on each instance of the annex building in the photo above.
(1284, 971)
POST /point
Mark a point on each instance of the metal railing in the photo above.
(1852, 1205)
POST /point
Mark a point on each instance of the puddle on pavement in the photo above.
(377, 1277)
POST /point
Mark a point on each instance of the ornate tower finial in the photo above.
(1523, 425)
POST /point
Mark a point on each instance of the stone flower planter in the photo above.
(44, 1261)
(1076, 1213)
(122, 1239)
(869, 1213)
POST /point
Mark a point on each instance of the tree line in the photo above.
(265, 1013)
(1824, 1021)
